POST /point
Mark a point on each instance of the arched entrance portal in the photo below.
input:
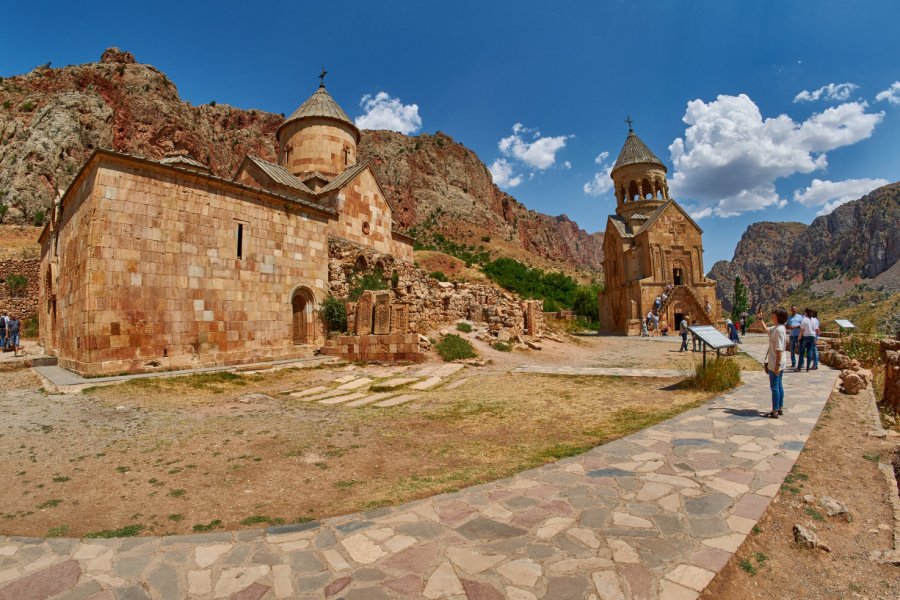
(303, 309)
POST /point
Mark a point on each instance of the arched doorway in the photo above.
(303, 329)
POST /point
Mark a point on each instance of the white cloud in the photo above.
(526, 149)
(892, 94)
(831, 194)
(601, 182)
(386, 112)
(730, 156)
(832, 91)
(538, 153)
(502, 172)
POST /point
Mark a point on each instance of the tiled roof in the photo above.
(635, 151)
(343, 179)
(279, 174)
(620, 226)
(322, 105)
(181, 160)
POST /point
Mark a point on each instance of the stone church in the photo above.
(649, 244)
(150, 264)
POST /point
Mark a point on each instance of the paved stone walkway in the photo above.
(601, 371)
(651, 516)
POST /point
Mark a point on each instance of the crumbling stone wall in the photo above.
(890, 354)
(431, 303)
(25, 303)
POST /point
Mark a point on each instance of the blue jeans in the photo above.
(815, 353)
(807, 347)
(683, 343)
(777, 388)
(795, 348)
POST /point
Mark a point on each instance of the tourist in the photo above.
(815, 345)
(644, 332)
(3, 322)
(696, 342)
(776, 361)
(793, 327)
(665, 329)
(743, 323)
(708, 309)
(684, 333)
(657, 303)
(664, 297)
(650, 322)
(807, 340)
(732, 332)
(656, 324)
(12, 335)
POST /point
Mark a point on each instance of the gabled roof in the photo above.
(320, 105)
(314, 175)
(279, 174)
(184, 161)
(620, 226)
(659, 211)
(635, 151)
(344, 178)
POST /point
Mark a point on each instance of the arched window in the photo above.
(633, 190)
(361, 264)
(646, 189)
(303, 324)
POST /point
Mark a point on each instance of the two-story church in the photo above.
(651, 243)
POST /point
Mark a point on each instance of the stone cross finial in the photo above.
(630, 122)
(322, 77)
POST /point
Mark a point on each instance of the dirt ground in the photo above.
(214, 451)
(839, 461)
(19, 241)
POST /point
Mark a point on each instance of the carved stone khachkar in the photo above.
(651, 247)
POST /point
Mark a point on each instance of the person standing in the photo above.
(732, 332)
(656, 324)
(684, 333)
(743, 322)
(3, 325)
(776, 361)
(13, 327)
(815, 344)
(807, 340)
(708, 309)
(793, 327)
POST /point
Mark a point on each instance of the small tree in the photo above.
(16, 284)
(3, 210)
(38, 218)
(335, 314)
(741, 302)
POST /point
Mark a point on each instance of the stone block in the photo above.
(382, 323)
(365, 309)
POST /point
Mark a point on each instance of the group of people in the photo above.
(797, 334)
(10, 327)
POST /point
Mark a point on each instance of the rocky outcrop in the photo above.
(52, 119)
(859, 240)
(432, 180)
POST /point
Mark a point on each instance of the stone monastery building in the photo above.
(160, 264)
(649, 244)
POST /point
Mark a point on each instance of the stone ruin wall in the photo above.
(25, 304)
(890, 354)
(429, 303)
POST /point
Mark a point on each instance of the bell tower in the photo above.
(639, 177)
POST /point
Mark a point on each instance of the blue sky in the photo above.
(568, 73)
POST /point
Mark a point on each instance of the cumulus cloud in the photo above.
(892, 94)
(601, 182)
(730, 156)
(531, 148)
(831, 194)
(832, 91)
(385, 112)
(502, 172)
(526, 149)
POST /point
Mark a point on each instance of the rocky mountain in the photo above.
(52, 119)
(856, 244)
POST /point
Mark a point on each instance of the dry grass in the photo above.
(19, 241)
(137, 453)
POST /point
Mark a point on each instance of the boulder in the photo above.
(808, 539)
(833, 507)
(851, 383)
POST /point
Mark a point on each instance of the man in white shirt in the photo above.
(807, 340)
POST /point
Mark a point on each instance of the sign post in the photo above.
(712, 337)
(844, 325)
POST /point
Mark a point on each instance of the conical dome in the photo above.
(635, 151)
(320, 105)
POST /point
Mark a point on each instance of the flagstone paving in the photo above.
(654, 515)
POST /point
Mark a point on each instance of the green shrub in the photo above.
(27, 106)
(365, 282)
(550, 305)
(464, 327)
(127, 531)
(395, 280)
(585, 303)
(718, 375)
(485, 238)
(7, 104)
(38, 218)
(502, 346)
(863, 348)
(439, 275)
(16, 284)
(212, 102)
(335, 314)
(453, 347)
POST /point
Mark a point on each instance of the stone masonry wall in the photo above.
(431, 303)
(25, 303)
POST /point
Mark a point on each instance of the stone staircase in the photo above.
(702, 319)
